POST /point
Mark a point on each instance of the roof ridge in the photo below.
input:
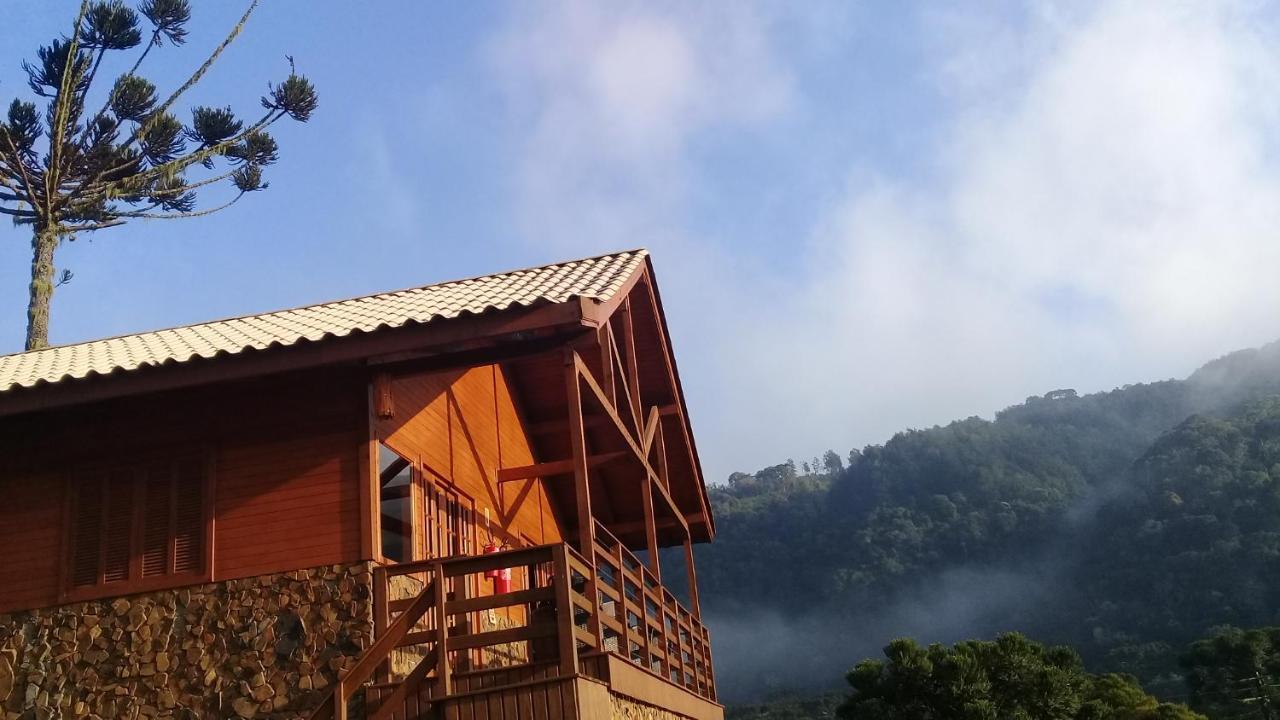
(71, 347)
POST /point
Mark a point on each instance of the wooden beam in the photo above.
(664, 468)
(673, 376)
(555, 467)
(604, 336)
(660, 523)
(578, 446)
(650, 428)
(369, 486)
(693, 578)
(650, 530)
(585, 373)
(632, 370)
(547, 427)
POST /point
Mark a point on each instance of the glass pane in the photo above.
(396, 475)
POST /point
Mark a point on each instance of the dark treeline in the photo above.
(1125, 524)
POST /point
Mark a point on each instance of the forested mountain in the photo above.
(1125, 523)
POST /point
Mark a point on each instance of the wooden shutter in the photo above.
(189, 526)
(86, 531)
(157, 520)
(117, 538)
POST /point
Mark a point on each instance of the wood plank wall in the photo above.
(285, 472)
(465, 425)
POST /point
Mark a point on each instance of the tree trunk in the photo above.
(43, 242)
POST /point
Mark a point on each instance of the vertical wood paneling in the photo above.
(284, 453)
(463, 425)
(30, 521)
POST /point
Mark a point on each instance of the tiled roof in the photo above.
(598, 278)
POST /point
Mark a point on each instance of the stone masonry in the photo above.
(265, 647)
(625, 708)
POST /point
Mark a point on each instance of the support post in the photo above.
(586, 522)
(444, 679)
(694, 604)
(633, 372)
(367, 472)
(578, 449)
(651, 530)
(381, 617)
(564, 615)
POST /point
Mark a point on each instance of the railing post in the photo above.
(339, 701)
(460, 592)
(565, 613)
(443, 678)
(620, 584)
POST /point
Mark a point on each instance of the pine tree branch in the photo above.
(176, 216)
(63, 106)
(195, 77)
(8, 177)
(155, 40)
(196, 185)
(98, 189)
(28, 185)
(199, 73)
(143, 127)
(17, 213)
(97, 226)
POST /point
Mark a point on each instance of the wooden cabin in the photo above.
(444, 502)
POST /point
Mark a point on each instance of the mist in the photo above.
(760, 653)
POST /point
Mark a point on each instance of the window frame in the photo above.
(135, 583)
(412, 497)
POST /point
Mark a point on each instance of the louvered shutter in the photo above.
(87, 531)
(157, 520)
(188, 534)
(118, 534)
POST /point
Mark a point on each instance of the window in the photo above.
(134, 527)
(450, 522)
(396, 505)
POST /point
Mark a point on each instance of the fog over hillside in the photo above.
(1060, 518)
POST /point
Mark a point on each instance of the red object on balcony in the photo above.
(501, 577)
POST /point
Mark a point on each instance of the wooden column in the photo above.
(633, 372)
(564, 614)
(444, 680)
(651, 529)
(578, 448)
(370, 527)
(694, 603)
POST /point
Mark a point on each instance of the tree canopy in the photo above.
(1142, 518)
(1009, 678)
(98, 155)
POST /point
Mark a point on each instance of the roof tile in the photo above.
(599, 278)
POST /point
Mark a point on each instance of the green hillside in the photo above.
(1126, 524)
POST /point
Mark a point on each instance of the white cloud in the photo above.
(1105, 210)
(1112, 219)
(612, 96)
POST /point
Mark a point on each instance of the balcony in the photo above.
(444, 647)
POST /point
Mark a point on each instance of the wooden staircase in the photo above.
(437, 622)
(575, 632)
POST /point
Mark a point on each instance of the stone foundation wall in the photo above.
(627, 709)
(265, 647)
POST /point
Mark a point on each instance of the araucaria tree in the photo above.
(82, 166)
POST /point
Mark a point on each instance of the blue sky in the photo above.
(864, 216)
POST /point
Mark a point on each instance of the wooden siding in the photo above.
(464, 426)
(30, 518)
(285, 465)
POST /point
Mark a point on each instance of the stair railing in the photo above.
(349, 682)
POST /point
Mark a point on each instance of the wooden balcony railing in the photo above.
(642, 621)
(438, 635)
